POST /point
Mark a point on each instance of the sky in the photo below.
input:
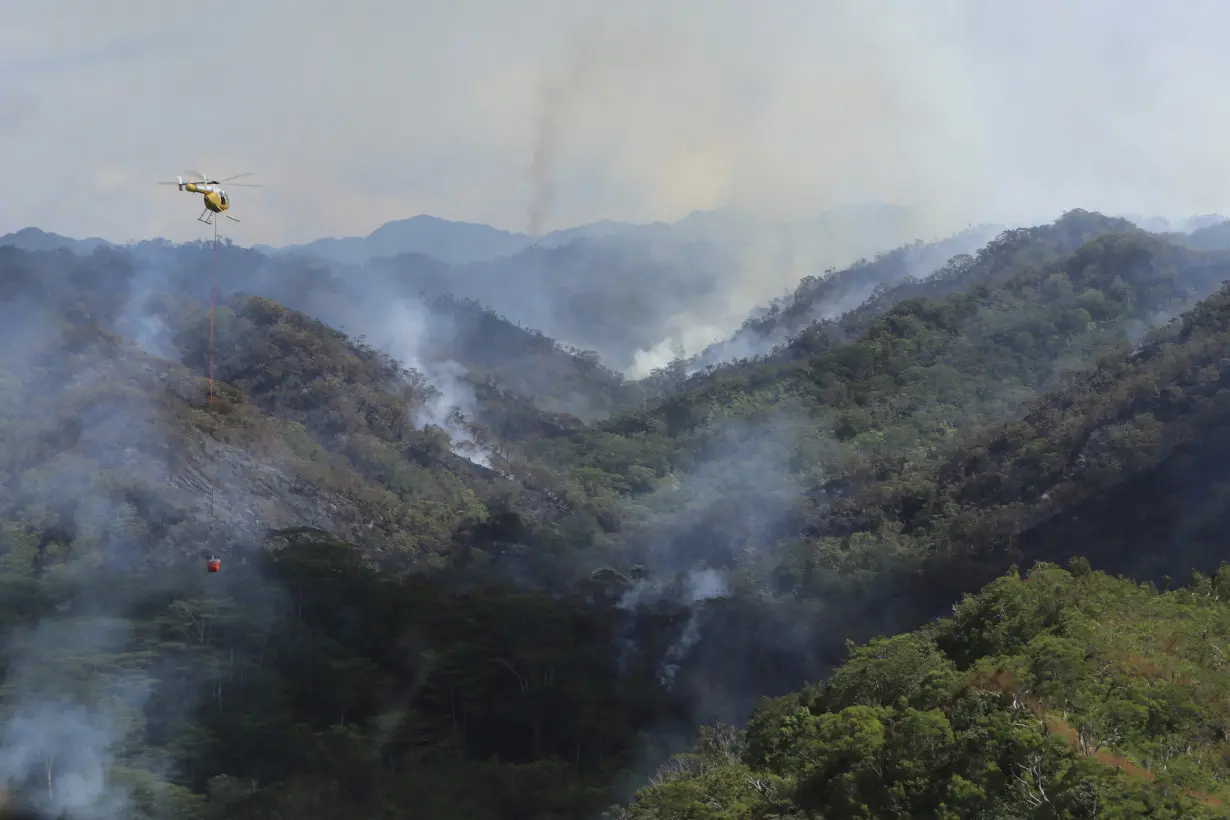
(544, 114)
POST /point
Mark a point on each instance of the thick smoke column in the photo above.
(555, 96)
(542, 168)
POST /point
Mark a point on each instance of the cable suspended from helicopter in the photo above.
(216, 200)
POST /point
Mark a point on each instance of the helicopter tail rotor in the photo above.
(179, 180)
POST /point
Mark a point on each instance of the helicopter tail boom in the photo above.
(197, 187)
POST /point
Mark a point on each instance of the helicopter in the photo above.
(216, 200)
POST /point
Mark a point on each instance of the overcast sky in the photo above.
(549, 113)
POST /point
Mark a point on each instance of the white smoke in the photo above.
(67, 710)
(403, 334)
(699, 585)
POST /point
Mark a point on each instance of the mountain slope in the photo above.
(457, 344)
(839, 306)
(1132, 453)
(829, 480)
(838, 292)
(307, 429)
(1062, 694)
(1122, 464)
(106, 448)
(885, 384)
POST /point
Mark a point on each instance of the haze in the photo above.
(550, 113)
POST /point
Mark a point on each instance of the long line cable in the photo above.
(213, 295)
(213, 290)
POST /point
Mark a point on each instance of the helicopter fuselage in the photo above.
(216, 199)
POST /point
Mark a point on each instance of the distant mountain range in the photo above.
(457, 243)
(871, 228)
(461, 243)
(35, 239)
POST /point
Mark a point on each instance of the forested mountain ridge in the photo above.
(1146, 423)
(867, 407)
(530, 640)
(839, 291)
(839, 305)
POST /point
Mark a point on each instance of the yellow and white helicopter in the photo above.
(216, 200)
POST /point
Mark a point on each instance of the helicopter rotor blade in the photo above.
(199, 178)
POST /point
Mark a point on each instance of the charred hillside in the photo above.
(306, 429)
(107, 448)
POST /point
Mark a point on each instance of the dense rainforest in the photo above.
(949, 545)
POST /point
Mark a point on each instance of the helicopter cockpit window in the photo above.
(225, 199)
